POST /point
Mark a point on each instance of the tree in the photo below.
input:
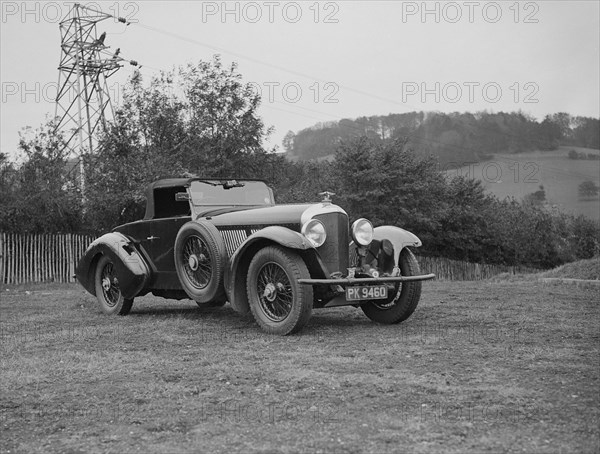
(549, 134)
(222, 122)
(563, 122)
(42, 195)
(465, 225)
(302, 181)
(584, 238)
(387, 183)
(588, 190)
(586, 132)
(536, 198)
(288, 142)
(9, 191)
(200, 119)
(454, 137)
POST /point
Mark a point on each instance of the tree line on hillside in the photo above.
(212, 129)
(454, 139)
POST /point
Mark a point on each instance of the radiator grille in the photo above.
(334, 252)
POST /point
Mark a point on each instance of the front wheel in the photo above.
(108, 292)
(404, 301)
(279, 304)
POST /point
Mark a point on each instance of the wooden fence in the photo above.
(53, 258)
(455, 270)
(40, 258)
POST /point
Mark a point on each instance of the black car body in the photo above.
(215, 241)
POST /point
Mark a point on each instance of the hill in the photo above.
(582, 269)
(519, 175)
(454, 138)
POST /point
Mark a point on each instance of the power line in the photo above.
(83, 100)
(308, 76)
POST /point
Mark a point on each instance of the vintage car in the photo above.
(215, 241)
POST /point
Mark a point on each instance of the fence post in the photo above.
(2, 255)
(70, 257)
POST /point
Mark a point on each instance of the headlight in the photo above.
(362, 232)
(314, 231)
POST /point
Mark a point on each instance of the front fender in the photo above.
(237, 271)
(130, 268)
(400, 238)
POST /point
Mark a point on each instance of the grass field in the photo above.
(582, 269)
(516, 175)
(480, 367)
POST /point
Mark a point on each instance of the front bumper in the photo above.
(366, 280)
(338, 285)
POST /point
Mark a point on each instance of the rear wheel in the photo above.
(279, 304)
(108, 291)
(404, 301)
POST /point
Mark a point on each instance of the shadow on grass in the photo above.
(337, 318)
(188, 312)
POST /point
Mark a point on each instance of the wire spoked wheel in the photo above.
(108, 291)
(196, 261)
(275, 293)
(279, 304)
(110, 285)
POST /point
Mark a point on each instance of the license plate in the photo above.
(367, 293)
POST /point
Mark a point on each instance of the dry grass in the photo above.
(582, 269)
(480, 367)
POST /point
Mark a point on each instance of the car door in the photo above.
(158, 240)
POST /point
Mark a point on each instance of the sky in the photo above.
(323, 61)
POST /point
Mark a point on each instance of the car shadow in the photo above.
(331, 320)
(192, 310)
(335, 318)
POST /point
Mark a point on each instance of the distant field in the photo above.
(517, 175)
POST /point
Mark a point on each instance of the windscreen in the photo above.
(244, 193)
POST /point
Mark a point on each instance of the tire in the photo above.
(279, 304)
(405, 300)
(108, 292)
(200, 259)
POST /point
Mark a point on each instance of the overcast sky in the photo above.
(323, 61)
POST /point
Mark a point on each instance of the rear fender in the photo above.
(237, 271)
(399, 238)
(130, 268)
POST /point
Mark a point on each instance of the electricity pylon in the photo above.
(83, 100)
